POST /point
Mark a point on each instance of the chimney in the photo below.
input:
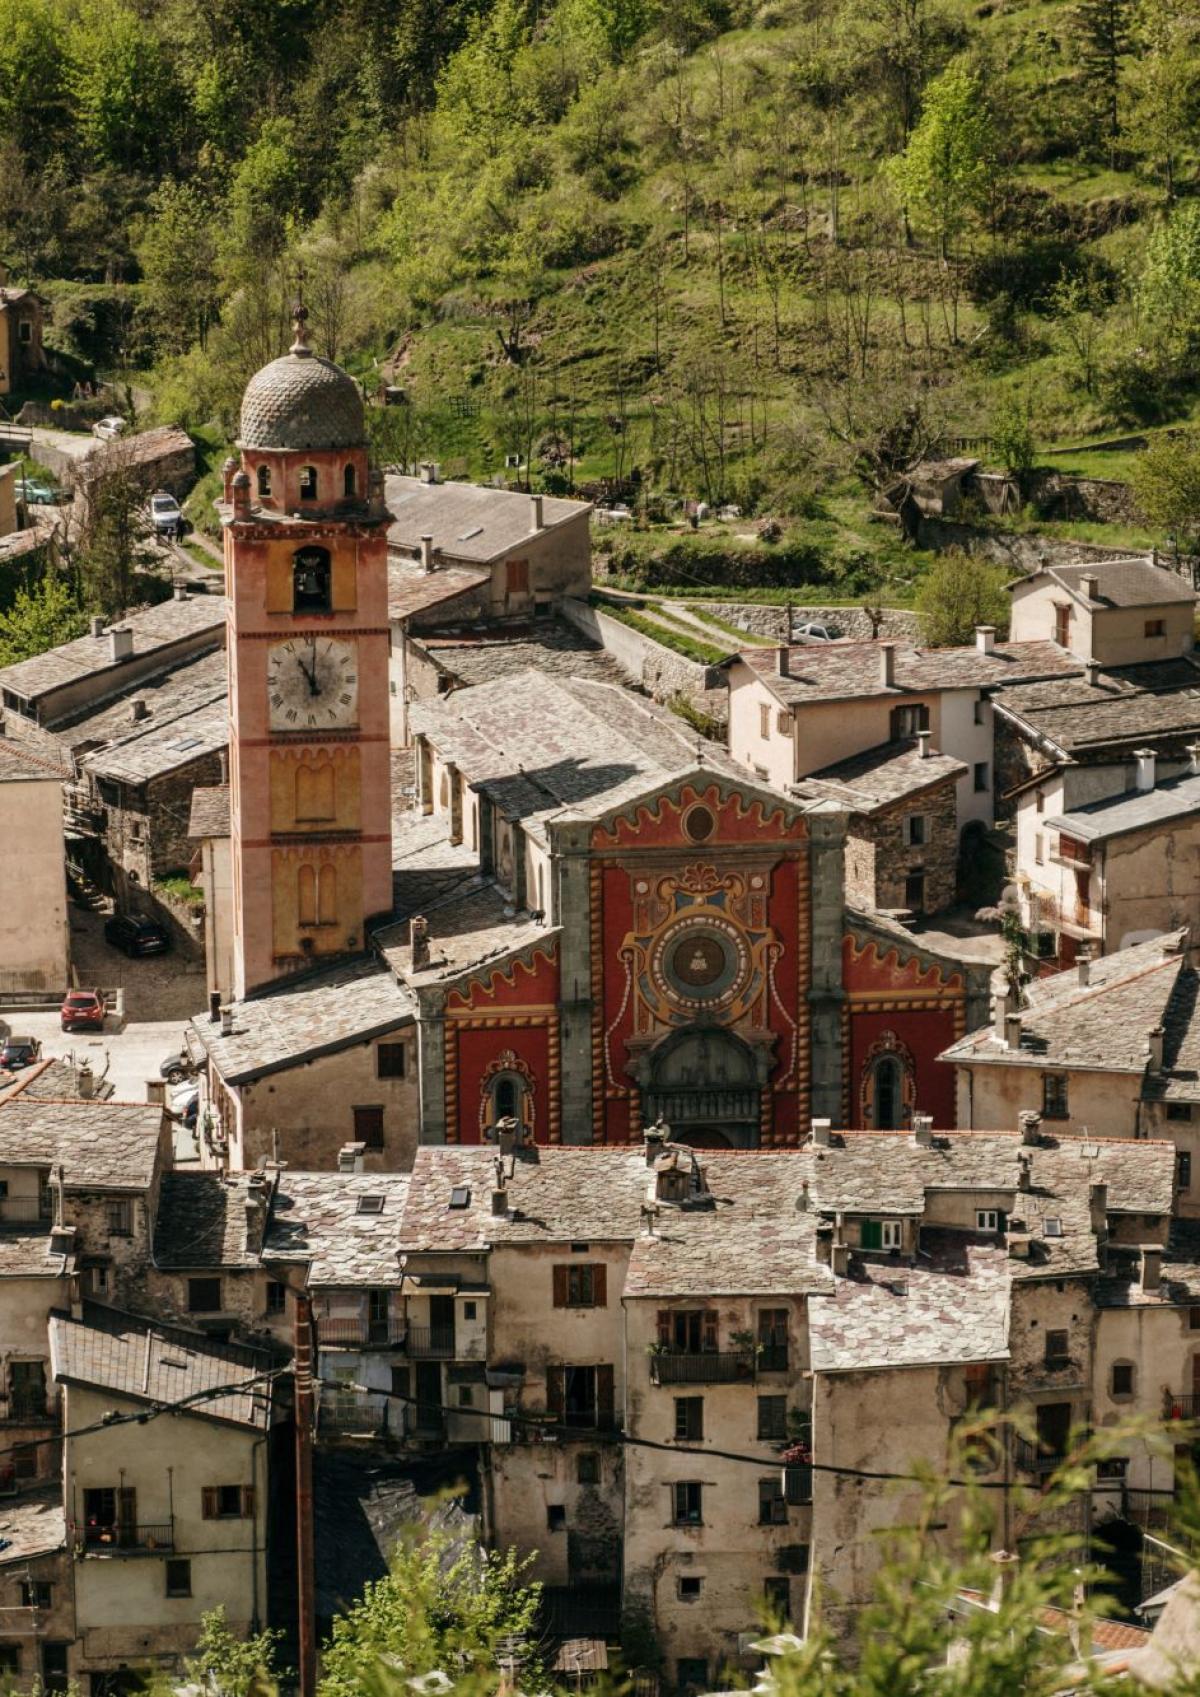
(1006, 1564)
(350, 1157)
(1000, 1007)
(418, 943)
(985, 639)
(1091, 669)
(256, 1220)
(429, 471)
(887, 664)
(97, 627)
(226, 1020)
(922, 1129)
(85, 1082)
(839, 1259)
(1089, 585)
(822, 1133)
(214, 1006)
(923, 748)
(536, 521)
(500, 1200)
(1151, 1270)
(1024, 1169)
(138, 710)
(1083, 967)
(240, 490)
(181, 592)
(654, 1139)
(120, 642)
(1098, 1205)
(1012, 1030)
(427, 553)
(1193, 754)
(783, 660)
(1146, 763)
(1154, 1047)
(1031, 1127)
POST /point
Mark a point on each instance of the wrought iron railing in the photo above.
(359, 1332)
(99, 1539)
(431, 1343)
(1184, 1405)
(703, 1367)
(1032, 1458)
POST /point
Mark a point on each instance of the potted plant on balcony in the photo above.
(746, 1344)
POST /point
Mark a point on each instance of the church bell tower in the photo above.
(306, 575)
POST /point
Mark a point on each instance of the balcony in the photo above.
(702, 1367)
(350, 1416)
(430, 1343)
(30, 1408)
(772, 1358)
(359, 1333)
(1184, 1406)
(1032, 1458)
(142, 1539)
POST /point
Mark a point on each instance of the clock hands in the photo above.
(310, 671)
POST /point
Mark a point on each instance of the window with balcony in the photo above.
(582, 1397)
(688, 1331)
(581, 1285)
(772, 1417)
(687, 1503)
(689, 1418)
(773, 1340)
(110, 1519)
(772, 1503)
(1055, 1100)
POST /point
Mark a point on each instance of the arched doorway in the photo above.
(704, 1083)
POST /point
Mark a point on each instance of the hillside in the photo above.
(755, 254)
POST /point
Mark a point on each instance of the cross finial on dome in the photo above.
(300, 326)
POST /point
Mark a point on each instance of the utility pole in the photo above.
(305, 1560)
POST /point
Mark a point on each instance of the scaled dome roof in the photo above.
(302, 401)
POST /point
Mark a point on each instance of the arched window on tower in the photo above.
(264, 480)
(348, 483)
(327, 896)
(316, 893)
(312, 581)
(314, 794)
(306, 892)
(308, 483)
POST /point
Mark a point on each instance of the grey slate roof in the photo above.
(34, 1524)
(210, 811)
(1134, 582)
(1157, 703)
(315, 1221)
(100, 1145)
(467, 928)
(841, 671)
(134, 1358)
(153, 629)
(302, 401)
(170, 700)
(411, 589)
(468, 521)
(143, 449)
(1136, 810)
(19, 764)
(201, 1221)
(875, 779)
(553, 647)
(316, 1015)
(52, 1080)
(155, 750)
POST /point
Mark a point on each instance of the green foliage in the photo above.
(1166, 481)
(113, 547)
(1170, 284)
(959, 592)
(945, 174)
(40, 618)
(1012, 436)
(177, 253)
(438, 1608)
(669, 634)
(130, 103)
(230, 1666)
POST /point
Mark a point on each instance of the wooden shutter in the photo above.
(605, 1397)
(710, 1329)
(871, 1234)
(664, 1327)
(599, 1285)
(210, 1502)
(556, 1391)
(560, 1287)
(247, 1502)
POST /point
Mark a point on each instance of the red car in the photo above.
(82, 1010)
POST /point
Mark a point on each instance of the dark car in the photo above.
(19, 1052)
(83, 1010)
(177, 1067)
(134, 935)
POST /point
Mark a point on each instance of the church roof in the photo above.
(302, 401)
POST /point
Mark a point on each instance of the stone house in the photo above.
(36, 1600)
(1112, 612)
(161, 458)
(34, 937)
(902, 833)
(22, 355)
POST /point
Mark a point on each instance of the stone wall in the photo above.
(879, 859)
(779, 622)
(661, 672)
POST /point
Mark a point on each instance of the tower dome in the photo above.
(302, 401)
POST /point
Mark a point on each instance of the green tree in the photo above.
(178, 257)
(231, 1666)
(438, 1608)
(1169, 291)
(113, 543)
(131, 103)
(1102, 34)
(946, 172)
(1166, 481)
(958, 592)
(266, 198)
(1163, 85)
(34, 72)
(40, 618)
(1012, 435)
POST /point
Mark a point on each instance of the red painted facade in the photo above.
(504, 1024)
(897, 1008)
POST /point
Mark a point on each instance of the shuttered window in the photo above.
(581, 1285)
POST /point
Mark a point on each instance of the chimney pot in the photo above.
(822, 1133)
(97, 626)
(226, 1021)
(1012, 1030)
(1098, 1206)
(536, 521)
(840, 1259)
(181, 592)
(429, 471)
(120, 641)
(1193, 754)
(783, 660)
(922, 1127)
(500, 1201)
(1083, 967)
(1154, 1046)
(418, 940)
(350, 1157)
(1000, 1009)
(1146, 763)
(1031, 1126)
(427, 553)
(654, 1138)
(923, 740)
(887, 664)
(138, 709)
(1089, 585)
(1091, 670)
(985, 638)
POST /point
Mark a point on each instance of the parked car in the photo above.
(185, 1104)
(35, 494)
(816, 633)
(177, 1067)
(134, 935)
(166, 515)
(83, 1010)
(108, 429)
(19, 1052)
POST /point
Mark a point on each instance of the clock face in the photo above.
(312, 684)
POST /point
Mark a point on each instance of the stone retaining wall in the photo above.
(778, 622)
(661, 672)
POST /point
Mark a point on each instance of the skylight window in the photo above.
(370, 1205)
(460, 1196)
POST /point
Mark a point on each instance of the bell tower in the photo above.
(306, 575)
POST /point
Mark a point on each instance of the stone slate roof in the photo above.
(1136, 810)
(411, 589)
(52, 1080)
(155, 750)
(467, 520)
(467, 929)
(201, 1221)
(1100, 1025)
(20, 765)
(552, 646)
(304, 1017)
(135, 1358)
(34, 1524)
(954, 1307)
(315, 1221)
(887, 773)
(153, 629)
(170, 699)
(27, 1254)
(1157, 703)
(143, 448)
(100, 1145)
(210, 811)
(841, 671)
(1179, 1080)
(1135, 582)
(302, 401)
(425, 863)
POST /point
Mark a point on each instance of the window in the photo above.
(179, 1577)
(204, 1296)
(581, 1285)
(466, 1396)
(1053, 1225)
(1039, 849)
(1058, 1348)
(890, 1234)
(308, 483)
(979, 711)
(276, 1297)
(687, 1503)
(264, 480)
(97, 1280)
(982, 776)
(772, 1340)
(10, 1658)
(1062, 624)
(880, 1234)
(1122, 1381)
(691, 1673)
(349, 483)
(54, 1667)
(764, 720)
(1194, 1319)
(915, 827)
(772, 1504)
(1071, 848)
(581, 1396)
(689, 1418)
(783, 723)
(907, 721)
(556, 1517)
(370, 1204)
(469, 1310)
(1183, 1169)
(390, 1060)
(312, 581)
(778, 1593)
(24, 331)
(1155, 627)
(1179, 1110)
(1054, 1096)
(227, 1502)
(690, 1588)
(772, 1417)
(587, 1468)
(36, 1593)
(688, 1331)
(989, 1220)
(120, 1218)
(1039, 800)
(368, 1126)
(516, 577)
